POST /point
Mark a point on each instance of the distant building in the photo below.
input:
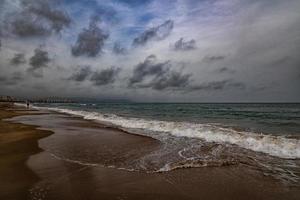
(7, 99)
(37, 100)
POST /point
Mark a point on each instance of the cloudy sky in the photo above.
(151, 50)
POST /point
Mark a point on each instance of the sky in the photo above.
(151, 50)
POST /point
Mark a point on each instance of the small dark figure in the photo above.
(27, 103)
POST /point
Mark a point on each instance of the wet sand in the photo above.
(17, 143)
(38, 174)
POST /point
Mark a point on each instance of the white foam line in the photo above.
(278, 146)
(74, 161)
(90, 164)
(20, 104)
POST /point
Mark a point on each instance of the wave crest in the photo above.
(278, 146)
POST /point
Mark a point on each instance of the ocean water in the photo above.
(275, 119)
(265, 137)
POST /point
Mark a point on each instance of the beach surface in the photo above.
(46, 155)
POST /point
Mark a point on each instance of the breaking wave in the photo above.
(277, 146)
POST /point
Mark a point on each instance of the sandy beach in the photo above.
(17, 143)
(149, 100)
(56, 156)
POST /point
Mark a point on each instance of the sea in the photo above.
(261, 136)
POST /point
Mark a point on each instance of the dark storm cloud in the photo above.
(118, 49)
(18, 59)
(174, 80)
(155, 33)
(3, 79)
(39, 59)
(163, 78)
(58, 19)
(81, 73)
(37, 18)
(105, 77)
(90, 41)
(14, 79)
(225, 70)
(182, 45)
(26, 26)
(213, 58)
(218, 85)
(148, 68)
(281, 61)
(160, 74)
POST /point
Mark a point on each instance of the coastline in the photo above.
(17, 143)
(285, 145)
(52, 178)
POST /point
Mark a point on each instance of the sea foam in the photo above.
(278, 146)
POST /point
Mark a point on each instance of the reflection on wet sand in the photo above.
(84, 160)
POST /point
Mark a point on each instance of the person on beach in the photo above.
(27, 103)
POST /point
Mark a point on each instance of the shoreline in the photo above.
(280, 146)
(17, 143)
(93, 121)
(51, 178)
